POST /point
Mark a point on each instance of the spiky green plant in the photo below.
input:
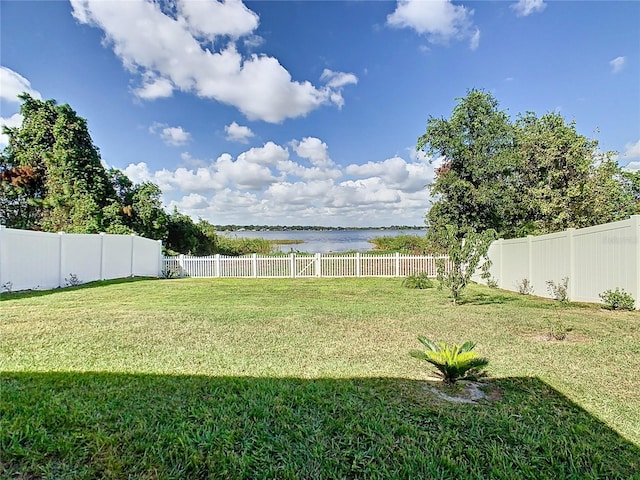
(453, 362)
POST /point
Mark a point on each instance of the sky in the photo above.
(308, 113)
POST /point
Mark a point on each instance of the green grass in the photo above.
(308, 378)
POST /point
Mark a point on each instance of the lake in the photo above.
(325, 241)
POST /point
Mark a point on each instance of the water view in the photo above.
(324, 241)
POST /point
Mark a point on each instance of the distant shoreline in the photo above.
(287, 228)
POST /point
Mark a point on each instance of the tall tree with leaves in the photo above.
(537, 175)
(69, 186)
(472, 187)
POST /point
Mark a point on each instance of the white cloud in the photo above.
(253, 41)
(13, 84)
(632, 150)
(174, 136)
(526, 7)
(474, 43)
(617, 64)
(632, 167)
(210, 19)
(190, 161)
(440, 20)
(396, 173)
(238, 133)
(269, 154)
(177, 52)
(313, 149)
(263, 185)
(337, 79)
(194, 201)
(13, 121)
(154, 87)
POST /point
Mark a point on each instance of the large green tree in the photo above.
(472, 186)
(52, 178)
(532, 176)
(68, 185)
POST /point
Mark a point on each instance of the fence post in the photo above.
(181, 264)
(60, 264)
(102, 234)
(217, 265)
(133, 247)
(160, 259)
(318, 265)
(397, 274)
(3, 230)
(357, 264)
(254, 265)
(293, 265)
(572, 263)
(635, 227)
(530, 259)
(501, 263)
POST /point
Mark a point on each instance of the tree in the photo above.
(465, 249)
(184, 236)
(52, 178)
(67, 185)
(472, 187)
(564, 180)
(537, 175)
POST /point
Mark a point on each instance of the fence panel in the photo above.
(594, 259)
(296, 265)
(147, 257)
(605, 258)
(23, 252)
(81, 257)
(41, 260)
(118, 249)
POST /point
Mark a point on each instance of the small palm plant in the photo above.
(454, 362)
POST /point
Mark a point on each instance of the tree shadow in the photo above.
(496, 297)
(5, 296)
(105, 425)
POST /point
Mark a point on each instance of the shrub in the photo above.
(419, 280)
(242, 246)
(618, 299)
(525, 287)
(453, 362)
(559, 291)
(7, 287)
(170, 272)
(411, 244)
(557, 329)
(466, 249)
(72, 280)
(492, 282)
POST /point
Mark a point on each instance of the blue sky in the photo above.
(308, 112)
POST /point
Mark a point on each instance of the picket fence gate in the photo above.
(301, 266)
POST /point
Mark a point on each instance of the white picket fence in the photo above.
(296, 265)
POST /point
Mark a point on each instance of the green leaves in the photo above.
(532, 176)
(453, 362)
(466, 249)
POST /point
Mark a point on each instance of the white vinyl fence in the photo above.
(40, 260)
(295, 265)
(594, 259)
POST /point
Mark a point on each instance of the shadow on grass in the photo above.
(102, 425)
(4, 296)
(493, 298)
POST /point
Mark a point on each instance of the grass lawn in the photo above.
(306, 379)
